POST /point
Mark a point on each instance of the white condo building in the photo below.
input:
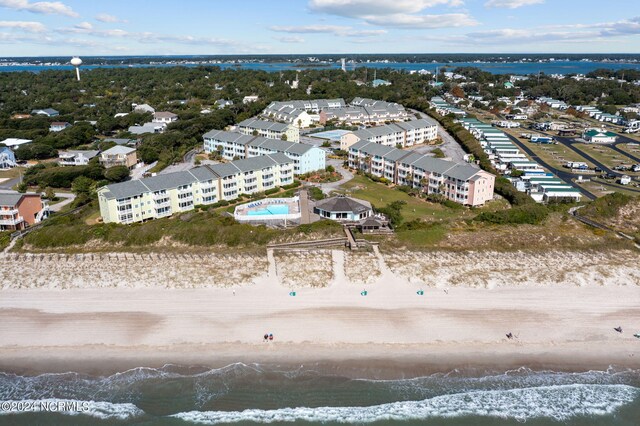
(406, 133)
(163, 195)
(231, 145)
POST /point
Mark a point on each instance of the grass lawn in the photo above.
(380, 195)
(11, 173)
(606, 156)
(631, 149)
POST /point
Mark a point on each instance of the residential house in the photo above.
(7, 158)
(119, 156)
(143, 108)
(249, 99)
(232, 145)
(163, 195)
(269, 129)
(379, 82)
(164, 117)
(459, 182)
(58, 126)
(148, 128)
(121, 141)
(223, 103)
(48, 112)
(76, 157)
(19, 211)
(20, 116)
(15, 142)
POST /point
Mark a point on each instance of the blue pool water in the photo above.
(270, 210)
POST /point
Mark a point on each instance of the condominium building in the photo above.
(364, 110)
(18, 211)
(269, 129)
(119, 155)
(462, 183)
(163, 195)
(231, 145)
(406, 133)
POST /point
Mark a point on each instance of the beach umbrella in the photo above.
(364, 293)
(293, 293)
(420, 293)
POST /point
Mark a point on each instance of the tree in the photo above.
(117, 174)
(330, 169)
(50, 194)
(284, 137)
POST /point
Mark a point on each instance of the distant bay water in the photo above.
(553, 67)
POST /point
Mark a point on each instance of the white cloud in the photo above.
(570, 33)
(105, 17)
(45, 7)
(512, 4)
(395, 13)
(423, 21)
(28, 26)
(359, 8)
(289, 39)
(84, 26)
(338, 30)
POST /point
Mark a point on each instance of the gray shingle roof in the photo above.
(343, 204)
(264, 125)
(118, 149)
(10, 199)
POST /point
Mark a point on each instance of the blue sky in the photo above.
(142, 27)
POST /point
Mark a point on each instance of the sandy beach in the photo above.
(564, 322)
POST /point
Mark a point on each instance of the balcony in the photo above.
(164, 213)
(185, 199)
(8, 212)
(162, 203)
(185, 191)
(160, 196)
(11, 222)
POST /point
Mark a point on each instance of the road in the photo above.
(562, 174)
(346, 176)
(188, 162)
(8, 184)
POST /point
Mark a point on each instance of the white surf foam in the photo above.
(71, 407)
(556, 402)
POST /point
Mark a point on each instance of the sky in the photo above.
(211, 27)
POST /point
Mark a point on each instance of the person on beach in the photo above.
(266, 337)
(270, 336)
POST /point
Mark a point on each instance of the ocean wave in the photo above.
(555, 402)
(72, 407)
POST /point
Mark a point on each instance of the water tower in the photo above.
(76, 62)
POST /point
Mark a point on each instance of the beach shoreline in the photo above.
(450, 313)
(368, 361)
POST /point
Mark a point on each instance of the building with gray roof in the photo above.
(234, 146)
(459, 182)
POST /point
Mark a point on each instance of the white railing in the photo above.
(12, 222)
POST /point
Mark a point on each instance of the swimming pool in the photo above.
(270, 210)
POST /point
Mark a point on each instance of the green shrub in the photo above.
(316, 193)
(532, 214)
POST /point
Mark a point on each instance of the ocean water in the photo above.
(556, 67)
(242, 394)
